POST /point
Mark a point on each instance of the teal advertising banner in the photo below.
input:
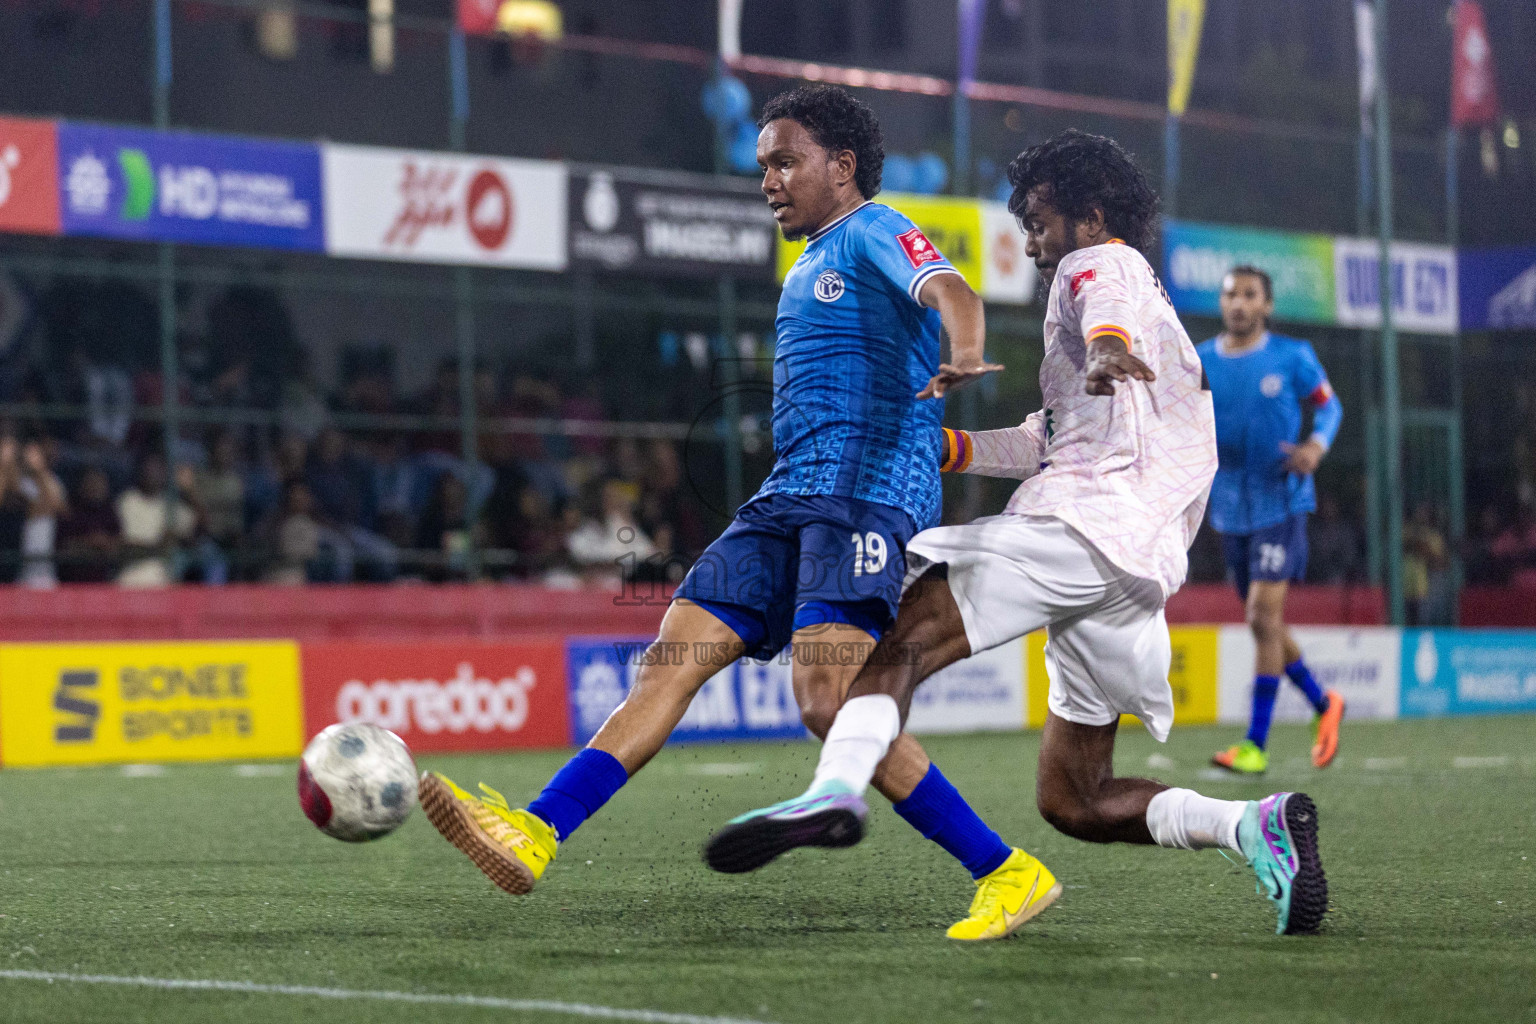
(1197, 256)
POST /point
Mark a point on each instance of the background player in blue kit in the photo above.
(818, 554)
(1263, 491)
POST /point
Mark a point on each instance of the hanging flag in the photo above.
(730, 30)
(1185, 20)
(478, 17)
(1474, 96)
(970, 15)
(1365, 46)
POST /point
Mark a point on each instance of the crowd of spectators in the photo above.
(304, 484)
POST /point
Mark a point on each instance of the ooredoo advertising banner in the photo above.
(124, 702)
(441, 696)
(29, 176)
(629, 221)
(417, 206)
(179, 187)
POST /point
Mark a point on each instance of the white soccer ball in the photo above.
(357, 782)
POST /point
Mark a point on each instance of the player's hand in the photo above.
(952, 376)
(1302, 458)
(1110, 362)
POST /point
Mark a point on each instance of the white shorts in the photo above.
(1107, 650)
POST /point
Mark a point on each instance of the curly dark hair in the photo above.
(837, 122)
(1080, 171)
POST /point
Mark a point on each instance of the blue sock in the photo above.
(939, 812)
(1302, 677)
(1265, 689)
(578, 790)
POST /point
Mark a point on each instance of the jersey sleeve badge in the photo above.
(1079, 279)
(918, 249)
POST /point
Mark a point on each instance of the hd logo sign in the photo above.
(105, 703)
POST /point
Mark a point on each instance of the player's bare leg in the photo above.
(1276, 652)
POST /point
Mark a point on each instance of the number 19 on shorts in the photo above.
(869, 553)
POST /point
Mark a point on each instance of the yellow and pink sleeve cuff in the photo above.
(1111, 331)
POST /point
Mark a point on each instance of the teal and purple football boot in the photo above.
(1278, 836)
(830, 815)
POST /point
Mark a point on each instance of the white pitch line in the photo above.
(429, 998)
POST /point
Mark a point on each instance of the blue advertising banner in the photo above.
(1498, 288)
(179, 187)
(1467, 672)
(748, 701)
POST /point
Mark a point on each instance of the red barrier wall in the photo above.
(512, 612)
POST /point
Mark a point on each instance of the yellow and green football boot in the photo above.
(511, 847)
(1247, 758)
(1011, 895)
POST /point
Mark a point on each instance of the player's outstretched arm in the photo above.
(965, 321)
(1013, 453)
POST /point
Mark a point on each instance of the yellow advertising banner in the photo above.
(108, 703)
(951, 223)
(1186, 19)
(1191, 674)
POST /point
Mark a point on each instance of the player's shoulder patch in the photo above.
(1080, 278)
(917, 247)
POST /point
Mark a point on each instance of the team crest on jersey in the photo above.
(1079, 279)
(829, 286)
(1270, 386)
(918, 249)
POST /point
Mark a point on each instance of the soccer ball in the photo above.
(357, 782)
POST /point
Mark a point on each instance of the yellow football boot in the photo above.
(1017, 891)
(511, 847)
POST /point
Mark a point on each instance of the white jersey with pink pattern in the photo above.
(1130, 472)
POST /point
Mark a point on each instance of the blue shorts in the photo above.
(788, 561)
(1275, 554)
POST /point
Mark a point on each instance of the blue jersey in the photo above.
(1259, 396)
(854, 346)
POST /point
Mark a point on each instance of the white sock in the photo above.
(862, 732)
(1182, 819)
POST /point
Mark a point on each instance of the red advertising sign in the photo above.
(1474, 96)
(441, 696)
(29, 176)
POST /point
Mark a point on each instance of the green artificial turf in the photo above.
(211, 872)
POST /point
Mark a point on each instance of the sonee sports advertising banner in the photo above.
(107, 703)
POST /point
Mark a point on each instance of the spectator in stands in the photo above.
(444, 533)
(298, 541)
(90, 535)
(665, 501)
(45, 504)
(1335, 545)
(343, 487)
(220, 486)
(1425, 578)
(609, 543)
(1514, 550)
(148, 537)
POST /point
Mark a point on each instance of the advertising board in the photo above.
(1424, 285)
(1497, 288)
(424, 207)
(106, 703)
(29, 176)
(443, 696)
(1362, 664)
(1196, 257)
(1467, 672)
(631, 222)
(180, 187)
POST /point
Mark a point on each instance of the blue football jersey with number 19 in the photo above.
(854, 347)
